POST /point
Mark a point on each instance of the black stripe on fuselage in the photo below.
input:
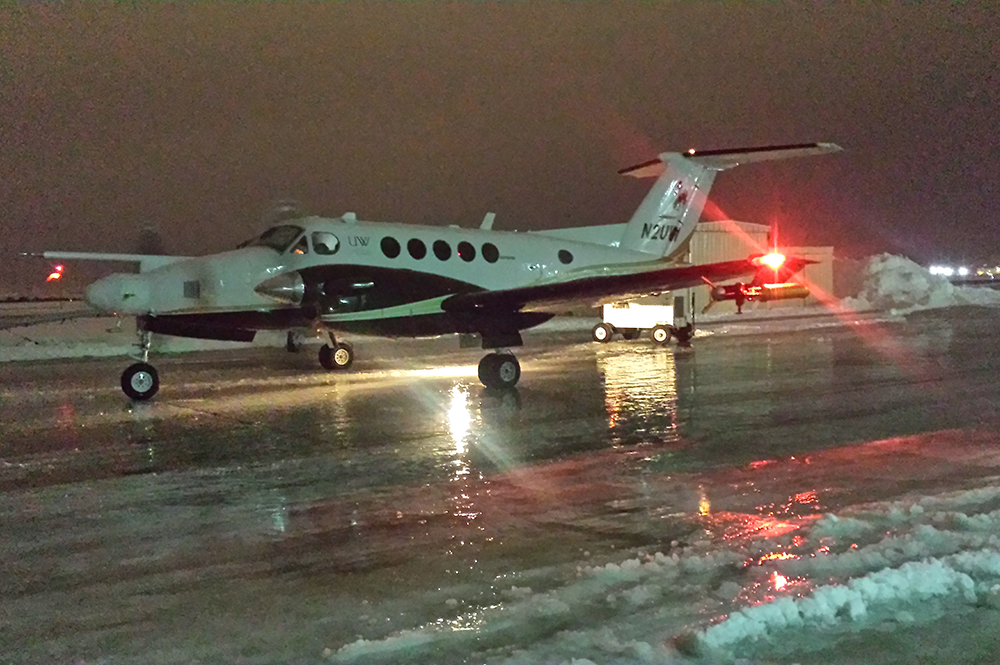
(391, 287)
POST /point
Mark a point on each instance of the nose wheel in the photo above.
(140, 381)
(499, 370)
(340, 356)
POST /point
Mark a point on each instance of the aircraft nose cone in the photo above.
(121, 294)
(102, 294)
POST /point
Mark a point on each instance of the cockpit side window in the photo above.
(302, 246)
(325, 243)
(278, 238)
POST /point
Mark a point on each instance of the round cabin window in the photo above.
(416, 248)
(442, 250)
(466, 251)
(390, 247)
(490, 252)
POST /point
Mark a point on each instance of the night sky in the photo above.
(193, 119)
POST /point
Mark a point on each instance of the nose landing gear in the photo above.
(140, 380)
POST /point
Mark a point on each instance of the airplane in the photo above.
(345, 275)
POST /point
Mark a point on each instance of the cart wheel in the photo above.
(660, 334)
(602, 333)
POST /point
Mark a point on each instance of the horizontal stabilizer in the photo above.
(720, 160)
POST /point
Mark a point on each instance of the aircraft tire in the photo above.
(602, 333)
(140, 381)
(660, 334)
(339, 358)
(499, 370)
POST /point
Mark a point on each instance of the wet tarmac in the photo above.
(262, 510)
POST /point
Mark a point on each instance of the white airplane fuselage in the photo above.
(405, 285)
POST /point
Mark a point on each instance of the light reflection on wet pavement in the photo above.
(261, 509)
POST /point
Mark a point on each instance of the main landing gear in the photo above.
(336, 356)
(140, 381)
(499, 370)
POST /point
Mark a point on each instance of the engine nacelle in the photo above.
(762, 292)
(785, 291)
(742, 293)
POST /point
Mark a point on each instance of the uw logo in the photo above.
(358, 241)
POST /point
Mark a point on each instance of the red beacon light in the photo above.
(772, 261)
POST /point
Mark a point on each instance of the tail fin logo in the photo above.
(682, 197)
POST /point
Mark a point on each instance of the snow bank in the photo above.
(896, 283)
(882, 567)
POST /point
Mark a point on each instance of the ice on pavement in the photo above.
(884, 567)
(832, 584)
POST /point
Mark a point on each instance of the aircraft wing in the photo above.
(146, 262)
(594, 289)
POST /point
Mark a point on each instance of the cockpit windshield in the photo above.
(277, 238)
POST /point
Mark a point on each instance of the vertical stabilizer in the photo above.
(666, 218)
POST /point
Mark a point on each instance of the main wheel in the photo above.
(684, 335)
(660, 334)
(140, 381)
(499, 370)
(341, 357)
(602, 333)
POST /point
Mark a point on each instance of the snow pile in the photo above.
(892, 566)
(897, 283)
(921, 561)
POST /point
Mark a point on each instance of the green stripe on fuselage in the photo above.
(418, 308)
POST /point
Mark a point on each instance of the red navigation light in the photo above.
(56, 273)
(772, 261)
